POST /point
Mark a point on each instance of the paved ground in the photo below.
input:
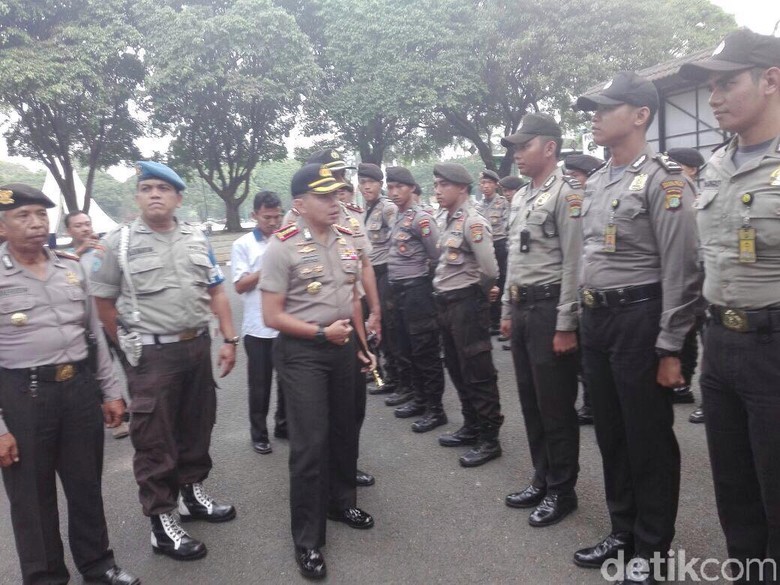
(435, 521)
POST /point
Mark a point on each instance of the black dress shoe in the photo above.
(594, 556)
(553, 509)
(364, 479)
(429, 422)
(280, 432)
(530, 497)
(311, 563)
(263, 447)
(196, 504)
(353, 517)
(486, 450)
(397, 398)
(409, 410)
(468, 434)
(115, 576)
(585, 416)
(170, 539)
(683, 395)
(697, 416)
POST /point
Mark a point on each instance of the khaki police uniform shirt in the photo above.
(318, 280)
(42, 322)
(379, 222)
(496, 211)
(721, 212)
(414, 245)
(466, 252)
(656, 238)
(551, 217)
(171, 273)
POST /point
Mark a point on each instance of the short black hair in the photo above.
(72, 214)
(267, 199)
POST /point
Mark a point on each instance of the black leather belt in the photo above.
(741, 321)
(408, 283)
(451, 296)
(620, 297)
(53, 373)
(519, 295)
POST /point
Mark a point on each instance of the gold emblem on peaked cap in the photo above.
(6, 197)
(334, 155)
(325, 172)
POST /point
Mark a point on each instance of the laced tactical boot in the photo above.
(169, 538)
(196, 504)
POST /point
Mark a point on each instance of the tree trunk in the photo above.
(505, 168)
(233, 223)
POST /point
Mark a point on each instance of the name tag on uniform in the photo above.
(610, 238)
(747, 244)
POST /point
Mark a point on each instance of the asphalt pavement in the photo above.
(436, 522)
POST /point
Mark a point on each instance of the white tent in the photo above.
(101, 222)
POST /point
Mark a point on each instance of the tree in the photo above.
(226, 82)
(68, 72)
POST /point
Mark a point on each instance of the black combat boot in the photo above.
(169, 538)
(468, 434)
(196, 504)
(434, 417)
(487, 449)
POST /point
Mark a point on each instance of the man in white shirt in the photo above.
(246, 261)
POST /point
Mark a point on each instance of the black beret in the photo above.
(400, 175)
(328, 158)
(740, 50)
(371, 171)
(690, 157)
(582, 162)
(452, 172)
(532, 125)
(490, 175)
(15, 195)
(314, 178)
(625, 88)
(511, 183)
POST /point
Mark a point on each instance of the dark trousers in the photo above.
(502, 255)
(260, 370)
(740, 383)
(319, 390)
(389, 344)
(465, 333)
(174, 407)
(689, 356)
(547, 385)
(59, 433)
(633, 418)
(418, 340)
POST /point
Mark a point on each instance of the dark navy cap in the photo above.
(371, 171)
(15, 195)
(742, 49)
(330, 159)
(531, 126)
(400, 175)
(490, 175)
(582, 162)
(625, 88)
(452, 172)
(511, 183)
(690, 157)
(314, 178)
(148, 169)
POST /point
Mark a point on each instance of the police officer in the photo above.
(160, 278)
(640, 284)
(54, 366)
(413, 254)
(464, 281)
(309, 294)
(509, 187)
(495, 208)
(739, 224)
(540, 314)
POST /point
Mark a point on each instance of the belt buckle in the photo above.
(187, 335)
(589, 298)
(734, 319)
(64, 372)
(514, 293)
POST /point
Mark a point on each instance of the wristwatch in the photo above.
(233, 340)
(319, 337)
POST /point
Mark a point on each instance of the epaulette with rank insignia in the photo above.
(64, 254)
(354, 207)
(287, 232)
(344, 230)
(668, 164)
(572, 182)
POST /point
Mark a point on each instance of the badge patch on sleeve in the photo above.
(575, 204)
(425, 227)
(673, 190)
(477, 232)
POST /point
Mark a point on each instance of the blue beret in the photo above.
(148, 169)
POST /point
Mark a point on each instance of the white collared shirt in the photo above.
(246, 257)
